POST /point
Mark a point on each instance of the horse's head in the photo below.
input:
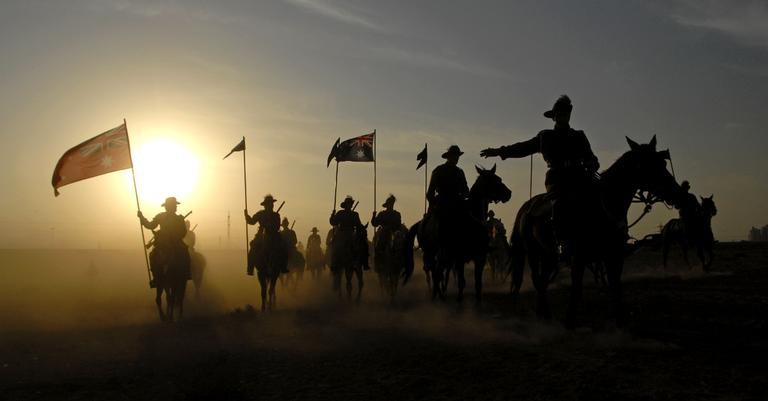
(489, 186)
(647, 168)
(708, 206)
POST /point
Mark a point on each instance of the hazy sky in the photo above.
(294, 75)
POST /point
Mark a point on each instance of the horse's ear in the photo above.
(632, 144)
(493, 169)
(702, 198)
(479, 170)
(653, 143)
(711, 197)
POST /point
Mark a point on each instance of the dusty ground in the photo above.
(81, 325)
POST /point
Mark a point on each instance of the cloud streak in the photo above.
(337, 13)
(744, 20)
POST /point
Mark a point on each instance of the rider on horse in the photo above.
(689, 209)
(289, 236)
(572, 167)
(169, 240)
(495, 226)
(447, 193)
(389, 220)
(346, 223)
(267, 240)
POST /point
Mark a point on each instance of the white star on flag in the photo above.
(106, 161)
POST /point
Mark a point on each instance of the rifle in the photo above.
(292, 224)
(281, 206)
(355, 207)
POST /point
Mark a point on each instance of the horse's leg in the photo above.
(684, 245)
(614, 267)
(577, 277)
(462, 282)
(263, 287)
(665, 250)
(337, 283)
(272, 293)
(182, 290)
(540, 273)
(359, 274)
(348, 275)
(479, 267)
(171, 301)
(159, 302)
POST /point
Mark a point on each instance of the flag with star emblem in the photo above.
(104, 153)
(358, 149)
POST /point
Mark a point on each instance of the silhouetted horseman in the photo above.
(498, 247)
(169, 258)
(446, 194)
(346, 223)
(387, 221)
(267, 242)
(571, 166)
(689, 208)
(693, 227)
(290, 241)
(315, 258)
(349, 247)
(169, 240)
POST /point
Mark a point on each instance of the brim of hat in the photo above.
(269, 201)
(446, 154)
(549, 113)
(164, 203)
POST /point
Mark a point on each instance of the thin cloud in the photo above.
(429, 60)
(337, 13)
(746, 21)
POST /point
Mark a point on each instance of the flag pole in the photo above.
(426, 169)
(138, 206)
(336, 186)
(530, 181)
(374, 169)
(245, 196)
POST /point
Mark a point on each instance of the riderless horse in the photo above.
(602, 239)
(441, 258)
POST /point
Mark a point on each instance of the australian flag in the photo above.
(358, 149)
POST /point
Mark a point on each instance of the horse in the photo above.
(315, 260)
(197, 268)
(170, 270)
(441, 258)
(498, 255)
(393, 259)
(697, 232)
(602, 240)
(269, 266)
(296, 262)
(349, 257)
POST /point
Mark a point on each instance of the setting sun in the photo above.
(164, 168)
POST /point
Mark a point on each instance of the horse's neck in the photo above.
(478, 206)
(617, 190)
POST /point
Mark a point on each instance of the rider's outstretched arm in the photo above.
(520, 149)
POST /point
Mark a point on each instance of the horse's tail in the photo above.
(408, 263)
(517, 251)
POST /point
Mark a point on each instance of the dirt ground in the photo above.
(81, 325)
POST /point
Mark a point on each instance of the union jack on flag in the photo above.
(104, 153)
(358, 149)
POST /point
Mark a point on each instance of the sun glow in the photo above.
(164, 168)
